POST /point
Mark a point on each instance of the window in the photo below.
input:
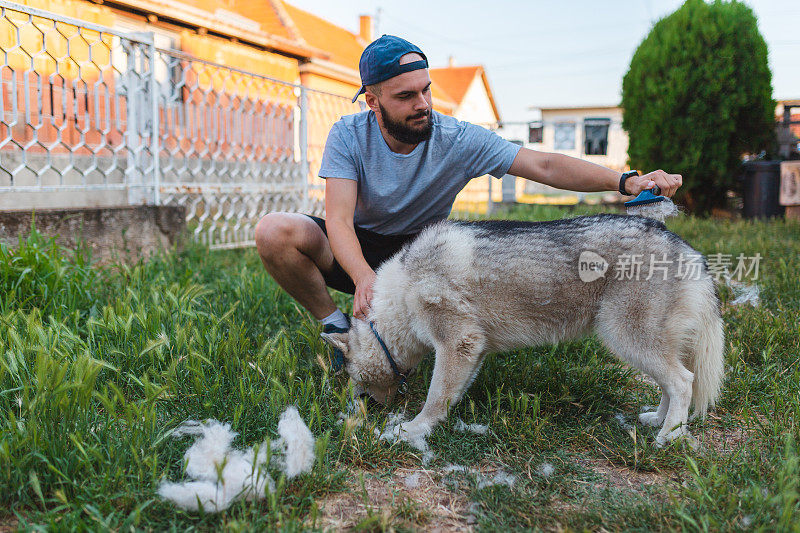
(167, 69)
(596, 136)
(564, 136)
(535, 131)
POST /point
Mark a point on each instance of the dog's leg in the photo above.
(457, 363)
(661, 362)
(654, 347)
(676, 382)
(656, 418)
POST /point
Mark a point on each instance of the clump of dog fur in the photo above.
(219, 474)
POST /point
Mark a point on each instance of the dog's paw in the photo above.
(651, 419)
(391, 433)
(413, 434)
(679, 434)
(413, 430)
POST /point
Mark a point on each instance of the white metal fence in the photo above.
(94, 112)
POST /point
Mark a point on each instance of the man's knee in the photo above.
(275, 233)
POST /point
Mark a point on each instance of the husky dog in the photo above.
(468, 289)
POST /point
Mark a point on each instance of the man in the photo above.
(394, 169)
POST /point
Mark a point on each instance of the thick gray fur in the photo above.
(469, 289)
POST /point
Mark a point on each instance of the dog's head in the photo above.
(365, 360)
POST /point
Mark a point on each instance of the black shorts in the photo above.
(376, 248)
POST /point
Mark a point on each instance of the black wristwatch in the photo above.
(623, 179)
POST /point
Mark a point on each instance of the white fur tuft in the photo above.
(207, 452)
(658, 210)
(545, 470)
(193, 495)
(298, 442)
(500, 478)
(744, 294)
(219, 474)
(463, 427)
(412, 480)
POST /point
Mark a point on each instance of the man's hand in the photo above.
(363, 295)
(340, 204)
(668, 183)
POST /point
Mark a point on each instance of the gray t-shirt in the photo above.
(402, 193)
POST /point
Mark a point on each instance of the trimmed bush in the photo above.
(697, 96)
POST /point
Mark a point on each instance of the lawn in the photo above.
(99, 365)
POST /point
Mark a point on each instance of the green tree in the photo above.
(697, 96)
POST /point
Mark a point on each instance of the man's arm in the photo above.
(340, 205)
(565, 172)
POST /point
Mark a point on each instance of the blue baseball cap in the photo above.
(381, 61)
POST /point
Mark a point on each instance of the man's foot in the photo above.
(338, 356)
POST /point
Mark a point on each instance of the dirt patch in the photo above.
(623, 478)
(724, 440)
(414, 497)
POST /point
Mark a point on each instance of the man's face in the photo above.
(404, 104)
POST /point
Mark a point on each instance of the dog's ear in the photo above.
(337, 340)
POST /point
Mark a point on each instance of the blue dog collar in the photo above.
(392, 363)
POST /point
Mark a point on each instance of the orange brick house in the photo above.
(787, 112)
(270, 38)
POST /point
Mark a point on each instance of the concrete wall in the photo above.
(125, 233)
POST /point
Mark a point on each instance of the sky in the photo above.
(552, 53)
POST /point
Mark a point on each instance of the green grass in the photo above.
(97, 365)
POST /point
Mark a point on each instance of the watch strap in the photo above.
(623, 179)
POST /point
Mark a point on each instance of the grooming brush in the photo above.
(647, 196)
(651, 204)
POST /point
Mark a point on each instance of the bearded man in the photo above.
(394, 169)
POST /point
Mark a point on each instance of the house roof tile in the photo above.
(456, 81)
(293, 30)
(343, 46)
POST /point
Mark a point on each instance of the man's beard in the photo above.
(405, 134)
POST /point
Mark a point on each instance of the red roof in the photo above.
(343, 46)
(456, 81)
(265, 13)
(299, 33)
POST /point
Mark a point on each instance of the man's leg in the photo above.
(295, 251)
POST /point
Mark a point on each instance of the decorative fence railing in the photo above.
(104, 117)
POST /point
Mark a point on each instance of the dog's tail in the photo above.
(707, 347)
